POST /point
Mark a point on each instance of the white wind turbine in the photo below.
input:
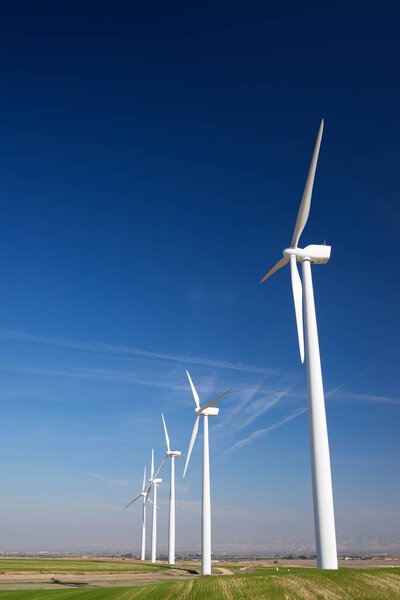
(172, 454)
(208, 410)
(154, 483)
(145, 497)
(324, 517)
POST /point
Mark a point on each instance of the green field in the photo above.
(62, 565)
(260, 584)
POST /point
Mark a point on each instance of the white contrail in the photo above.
(260, 432)
(106, 348)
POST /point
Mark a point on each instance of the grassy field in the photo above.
(62, 565)
(260, 584)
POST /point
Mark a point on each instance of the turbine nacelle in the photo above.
(174, 453)
(211, 411)
(143, 494)
(317, 254)
(155, 481)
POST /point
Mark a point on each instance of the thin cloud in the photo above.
(339, 392)
(261, 432)
(246, 395)
(195, 505)
(251, 408)
(112, 482)
(369, 398)
(260, 406)
(106, 348)
(101, 374)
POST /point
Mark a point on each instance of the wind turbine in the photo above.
(208, 410)
(324, 517)
(154, 483)
(145, 497)
(172, 454)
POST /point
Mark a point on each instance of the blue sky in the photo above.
(153, 161)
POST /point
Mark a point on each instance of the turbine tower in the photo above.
(208, 410)
(154, 483)
(324, 517)
(172, 454)
(145, 497)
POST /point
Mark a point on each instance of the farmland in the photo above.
(125, 580)
(63, 565)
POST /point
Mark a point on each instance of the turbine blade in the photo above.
(132, 501)
(297, 289)
(194, 391)
(152, 465)
(275, 268)
(148, 499)
(160, 467)
(166, 433)
(144, 478)
(192, 440)
(304, 209)
(217, 399)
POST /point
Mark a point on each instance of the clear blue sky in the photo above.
(152, 164)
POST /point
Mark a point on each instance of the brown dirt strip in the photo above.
(14, 581)
(24, 580)
(222, 571)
